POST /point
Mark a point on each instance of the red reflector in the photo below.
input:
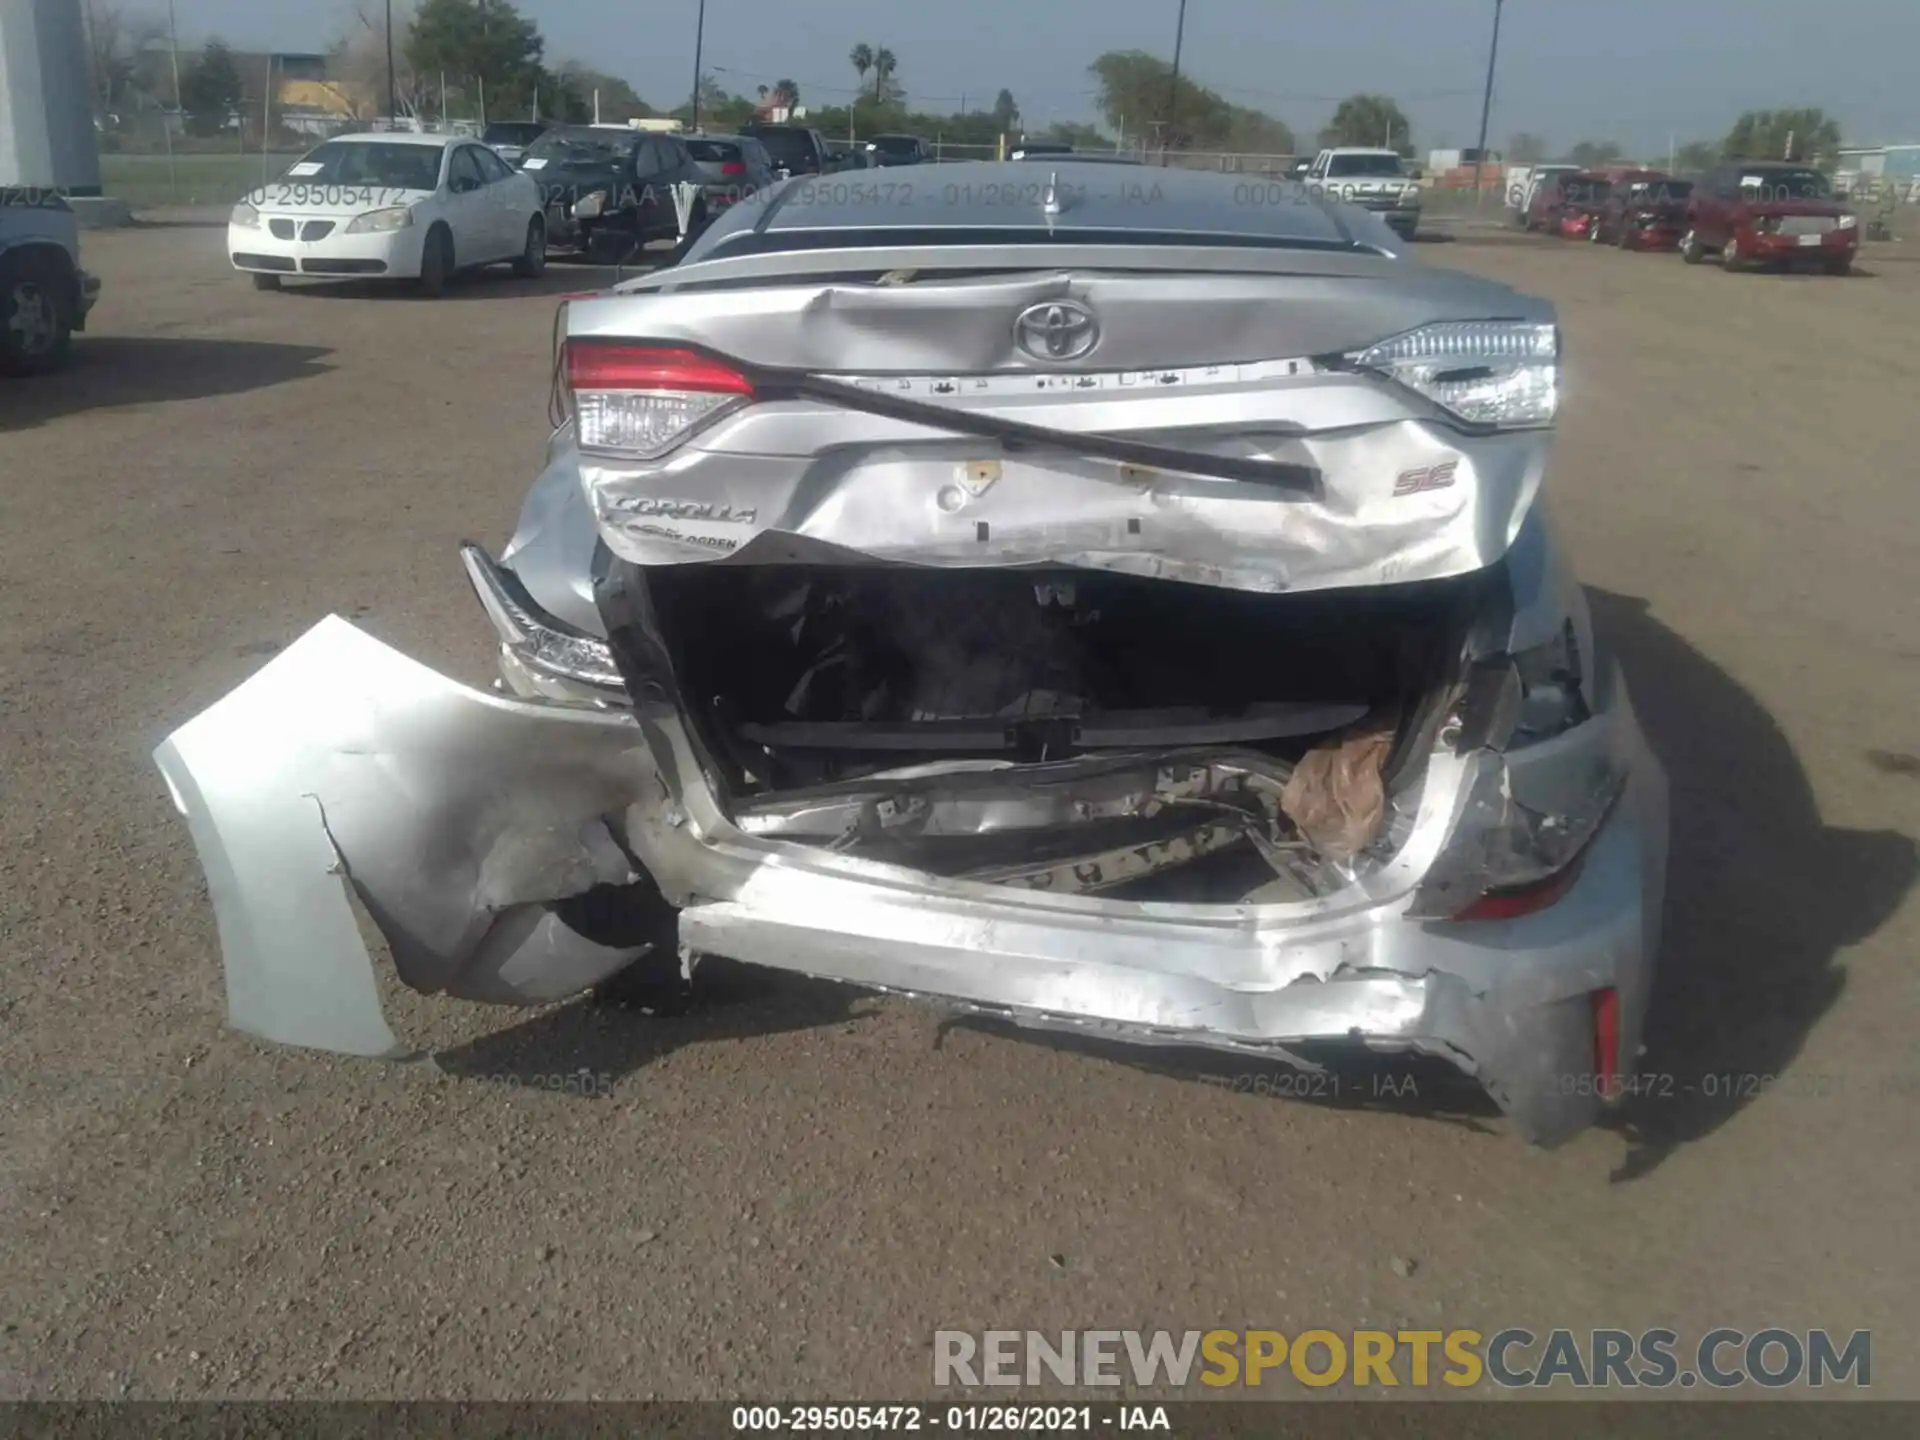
(733, 167)
(1606, 1038)
(1522, 899)
(595, 365)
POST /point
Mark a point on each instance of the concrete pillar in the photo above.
(46, 114)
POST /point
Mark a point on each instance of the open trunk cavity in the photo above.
(1065, 729)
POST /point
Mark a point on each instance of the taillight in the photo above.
(734, 167)
(643, 400)
(1606, 1039)
(1519, 900)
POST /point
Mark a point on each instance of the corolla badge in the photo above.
(1056, 330)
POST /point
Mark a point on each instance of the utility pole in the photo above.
(166, 121)
(699, 40)
(1173, 83)
(393, 105)
(1486, 103)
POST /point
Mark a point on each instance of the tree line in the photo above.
(466, 58)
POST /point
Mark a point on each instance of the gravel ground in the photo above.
(783, 1196)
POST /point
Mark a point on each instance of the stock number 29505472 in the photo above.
(341, 196)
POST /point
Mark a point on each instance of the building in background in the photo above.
(46, 115)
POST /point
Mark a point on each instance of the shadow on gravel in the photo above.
(731, 1002)
(1761, 896)
(107, 371)
(493, 284)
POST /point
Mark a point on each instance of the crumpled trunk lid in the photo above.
(1236, 381)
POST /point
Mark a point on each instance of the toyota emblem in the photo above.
(1056, 330)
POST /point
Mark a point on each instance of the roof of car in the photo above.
(401, 137)
(986, 195)
(1362, 150)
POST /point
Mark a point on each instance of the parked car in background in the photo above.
(1375, 180)
(1769, 212)
(796, 149)
(1201, 669)
(45, 295)
(389, 205)
(1081, 157)
(608, 190)
(899, 150)
(735, 167)
(509, 139)
(1037, 150)
(1566, 204)
(1525, 181)
(1644, 210)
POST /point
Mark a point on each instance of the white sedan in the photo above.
(398, 205)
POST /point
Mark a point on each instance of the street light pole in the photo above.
(1486, 103)
(699, 39)
(393, 105)
(1173, 83)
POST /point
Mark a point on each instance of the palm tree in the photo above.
(883, 67)
(861, 58)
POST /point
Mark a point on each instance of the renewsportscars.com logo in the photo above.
(1514, 1358)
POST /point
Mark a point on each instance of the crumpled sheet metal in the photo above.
(989, 801)
(451, 814)
(910, 497)
(442, 803)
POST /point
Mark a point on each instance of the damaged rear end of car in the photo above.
(1093, 609)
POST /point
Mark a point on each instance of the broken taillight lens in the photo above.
(640, 401)
(1521, 900)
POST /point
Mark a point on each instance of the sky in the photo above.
(1636, 72)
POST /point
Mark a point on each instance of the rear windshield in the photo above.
(512, 133)
(773, 242)
(894, 144)
(580, 147)
(713, 152)
(788, 147)
(1785, 185)
(390, 165)
(1375, 165)
(1583, 192)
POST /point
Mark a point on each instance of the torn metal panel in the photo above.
(1091, 874)
(453, 815)
(890, 491)
(456, 816)
(955, 801)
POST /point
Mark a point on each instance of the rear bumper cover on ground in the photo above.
(456, 818)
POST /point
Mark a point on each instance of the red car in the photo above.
(1566, 204)
(1769, 212)
(1645, 210)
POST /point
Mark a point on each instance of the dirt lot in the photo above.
(784, 1196)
